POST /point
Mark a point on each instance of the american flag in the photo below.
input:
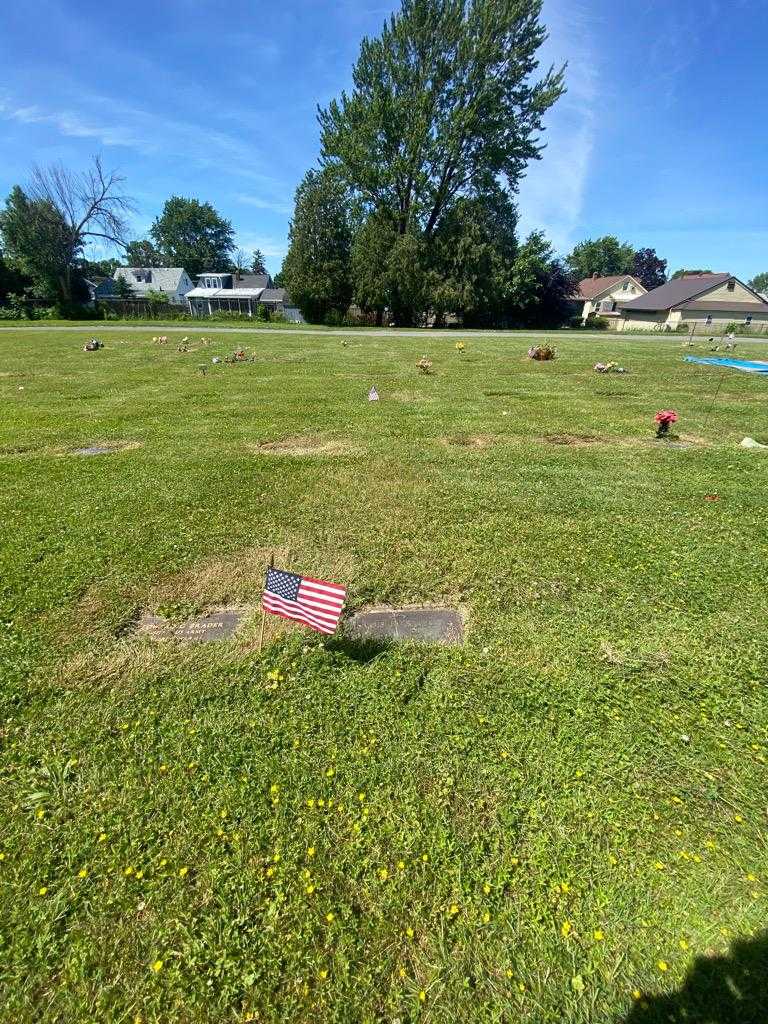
(314, 602)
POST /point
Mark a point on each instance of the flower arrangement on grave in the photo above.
(542, 352)
(460, 346)
(424, 365)
(608, 368)
(664, 420)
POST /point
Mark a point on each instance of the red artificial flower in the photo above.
(666, 416)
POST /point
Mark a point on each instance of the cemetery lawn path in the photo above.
(562, 820)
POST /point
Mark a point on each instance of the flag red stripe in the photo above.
(299, 610)
(332, 587)
(319, 616)
(297, 615)
(319, 602)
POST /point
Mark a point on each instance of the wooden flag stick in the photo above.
(263, 612)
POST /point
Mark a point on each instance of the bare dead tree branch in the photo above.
(92, 203)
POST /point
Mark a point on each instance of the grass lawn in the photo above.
(563, 820)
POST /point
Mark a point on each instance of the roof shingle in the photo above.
(674, 292)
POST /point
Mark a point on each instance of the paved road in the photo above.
(99, 328)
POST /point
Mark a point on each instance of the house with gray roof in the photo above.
(175, 282)
(707, 299)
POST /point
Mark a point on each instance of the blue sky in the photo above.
(660, 140)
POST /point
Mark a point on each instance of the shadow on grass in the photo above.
(361, 650)
(730, 989)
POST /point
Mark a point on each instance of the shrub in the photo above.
(683, 328)
(596, 323)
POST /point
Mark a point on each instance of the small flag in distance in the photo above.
(373, 394)
(315, 603)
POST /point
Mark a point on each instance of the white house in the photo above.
(602, 295)
(239, 293)
(175, 282)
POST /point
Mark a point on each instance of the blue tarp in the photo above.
(746, 365)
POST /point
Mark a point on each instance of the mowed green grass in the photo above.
(557, 821)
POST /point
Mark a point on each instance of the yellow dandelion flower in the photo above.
(102, 837)
(42, 890)
(321, 803)
(383, 874)
(636, 993)
(658, 865)
(269, 872)
(515, 861)
(521, 986)
(751, 877)
(310, 889)
(598, 935)
(425, 857)
(422, 996)
(401, 865)
(183, 872)
(565, 887)
(504, 755)
(310, 802)
(163, 768)
(311, 851)
(323, 974)
(683, 944)
(453, 910)
(486, 917)
(409, 932)
(330, 772)
(738, 818)
(273, 788)
(82, 873)
(361, 797)
(157, 966)
(509, 973)
(276, 858)
(663, 965)
(401, 972)
(40, 813)
(128, 871)
(486, 888)
(329, 917)
(565, 929)
(2, 856)
(163, 862)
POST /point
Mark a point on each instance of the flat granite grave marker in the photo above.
(424, 625)
(215, 624)
(94, 449)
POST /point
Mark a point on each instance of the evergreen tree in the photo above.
(316, 270)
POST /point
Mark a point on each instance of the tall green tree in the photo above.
(760, 282)
(193, 235)
(602, 256)
(12, 280)
(473, 259)
(541, 286)
(316, 270)
(444, 104)
(142, 253)
(649, 269)
(37, 243)
(258, 262)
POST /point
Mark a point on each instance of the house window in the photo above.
(731, 286)
(748, 319)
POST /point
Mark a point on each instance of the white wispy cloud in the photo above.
(275, 205)
(552, 194)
